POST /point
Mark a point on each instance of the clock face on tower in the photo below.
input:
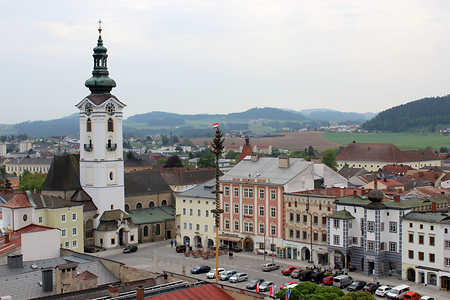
(88, 109)
(110, 109)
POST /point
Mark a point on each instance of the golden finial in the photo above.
(100, 27)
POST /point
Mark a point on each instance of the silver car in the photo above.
(212, 274)
(269, 267)
(227, 274)
(239, 277)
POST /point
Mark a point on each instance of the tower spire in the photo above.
(100, 83)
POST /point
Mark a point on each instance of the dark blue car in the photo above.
(200, 269)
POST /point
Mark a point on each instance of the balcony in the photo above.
(111, 147)
(88, 147)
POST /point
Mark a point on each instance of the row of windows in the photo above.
(248, 193)
(378, 166)
(110, 125)
(248, 227)
(431, 241)
(113, 240)
(199, 212)
(156, 230)
(304, 235)
(421, 225)
(189, 226)
(74, 244)
(64, 218)
(421, 256)
(31, 169)
(320, 206)
(315, 218)
(64, 232)
(370, 244)
(150, 204)
(199, 202)
(370, 225)
(248, 209)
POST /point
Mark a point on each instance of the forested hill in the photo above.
(428, 112)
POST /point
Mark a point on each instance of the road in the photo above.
(160, 256)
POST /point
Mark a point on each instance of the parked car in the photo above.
(129, 249)
(180, 248)
(252, 284)
(317, 277)
(397, 292)
(294, 274)
(305, 275)
(227, 274)
(288, 270)
(411, 296)
(371, 287)
(200, 269)
(328, 280)
(342, 281)
(427, 298)
(382, 290)
(212, 273)
(270, 267)
(239, 277)
(265, 286)
(356, 285)
(285, 285)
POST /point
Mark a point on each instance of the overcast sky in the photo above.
(223, 56)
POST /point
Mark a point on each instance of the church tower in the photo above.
(101, 155)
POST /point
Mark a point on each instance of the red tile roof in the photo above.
(383, 152)
(397, 169)
(16, 237)
(426, 176)
(18, 201)
(86, 275)
(390, 182)
(202, 292)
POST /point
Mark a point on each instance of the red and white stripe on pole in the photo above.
(215, 126)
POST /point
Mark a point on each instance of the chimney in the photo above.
(400, 191)
(47, 280)
(113, 290)
(15, 261)
(247, 141)
(283, 161)
(363, 191)
(397, 198)
(255, 157)
(433, 206)
(343, 192)
(140, 293)
(355, 193)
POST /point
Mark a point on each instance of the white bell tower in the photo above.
(101, 138)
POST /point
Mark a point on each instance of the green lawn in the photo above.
(401, 140)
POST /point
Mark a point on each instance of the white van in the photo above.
(398, 292)
(342, 281)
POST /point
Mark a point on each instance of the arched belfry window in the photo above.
(110, 125)
(89, 125)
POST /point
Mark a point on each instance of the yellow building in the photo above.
(34, 165)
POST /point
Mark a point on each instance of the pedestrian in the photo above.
(171, 243)
(175, 243)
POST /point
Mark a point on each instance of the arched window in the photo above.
(110, 125)
(164, 202)
(127, 207)
(139, 205)
(157, 229)
(89, 125)
(151, 204)
(89, 228)
(273, 229)
(145, 230)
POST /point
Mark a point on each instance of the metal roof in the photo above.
(429, 217)
(203, 190)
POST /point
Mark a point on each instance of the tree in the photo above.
(130, 155)
(32, 182)
(11, 148)
(206, 161)
(165, 140)
(205, 143)
(188, 142)
(2, 177)
(231, 154)
(178, 149)
(443, 149)
(173, 162)
(329, 158)
(175, 139)
(148, 139)
(188, 164)
(161, 161)
(311, 151)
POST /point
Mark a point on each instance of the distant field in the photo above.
(401, 140)
(6, 129)
(291, 141)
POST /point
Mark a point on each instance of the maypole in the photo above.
(217, 149)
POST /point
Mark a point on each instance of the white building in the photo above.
(426, 248)
(194, 220)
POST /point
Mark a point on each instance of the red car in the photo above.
(328, 280)
(288, 270)
(285, 285)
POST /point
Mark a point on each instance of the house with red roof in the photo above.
(385, 184)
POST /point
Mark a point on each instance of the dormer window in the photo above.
(110, 125)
